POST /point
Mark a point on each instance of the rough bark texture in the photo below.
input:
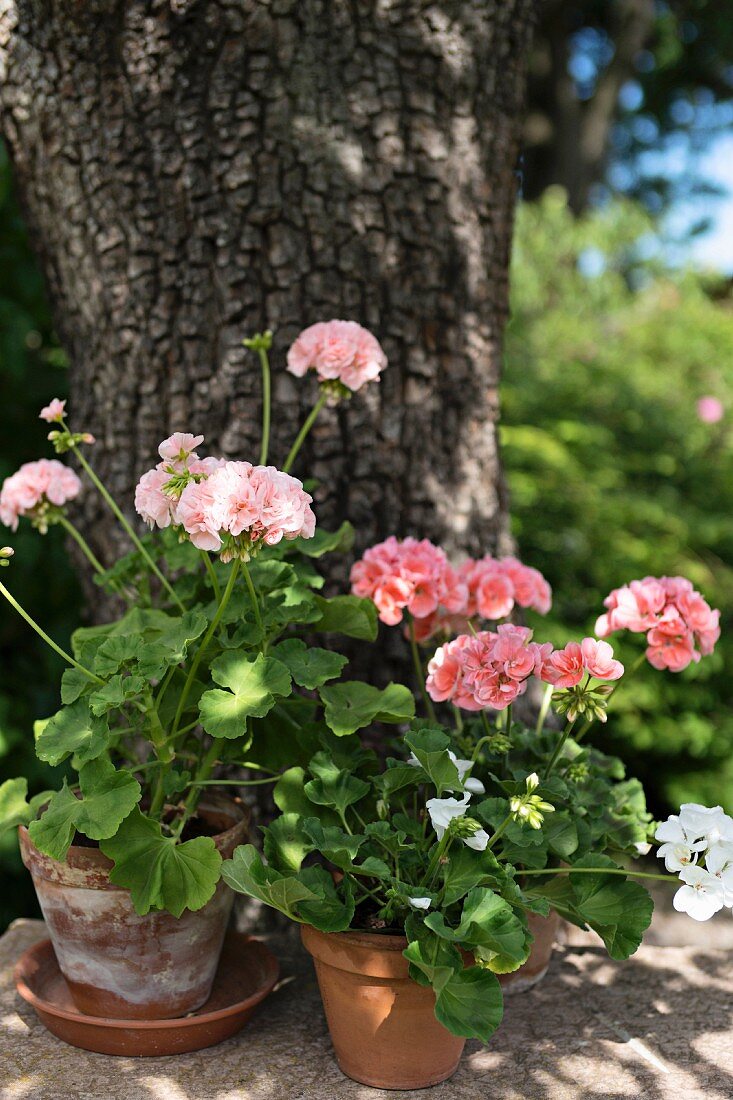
(196, 170)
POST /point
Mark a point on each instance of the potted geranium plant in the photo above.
(476, 675)
(205, 668)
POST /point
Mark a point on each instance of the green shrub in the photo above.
(612, 474)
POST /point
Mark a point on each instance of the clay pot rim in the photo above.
(359, 937)
(272, 976)
(97, 860)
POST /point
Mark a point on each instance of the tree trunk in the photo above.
(567, 136)
(194, 171)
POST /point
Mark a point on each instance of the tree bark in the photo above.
(195, 170)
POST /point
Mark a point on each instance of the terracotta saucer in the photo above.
(247, 972)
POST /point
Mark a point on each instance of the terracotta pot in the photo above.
(382, 1024)
(120, 965)
(544, 930)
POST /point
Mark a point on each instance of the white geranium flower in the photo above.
(475, 786)
(705, 823)
(676, 856)
(701, 896)
(719, 861)
(443, 810)
(419, 903)
(478, 841)
(679, 848)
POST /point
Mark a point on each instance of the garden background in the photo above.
(621, 320)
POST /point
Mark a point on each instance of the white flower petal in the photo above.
(419, 903)
(475, 786)
(478, 841)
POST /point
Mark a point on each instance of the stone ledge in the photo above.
(659, 1026)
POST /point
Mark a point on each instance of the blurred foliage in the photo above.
(31, 371)
(612, 474)
(623, 95)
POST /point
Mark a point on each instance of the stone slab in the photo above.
(659, 1026)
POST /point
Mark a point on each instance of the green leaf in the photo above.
(339, 791)
(14, 808)
(108, 796)
(351, 705)
(396, 777)
(348, 615)
(620, 911)
(74, 684)
(431, 746)
(287, 842)
(324, 542)
(488, 922)
(309, 667)
(328, 912)
(54, 831)
(171, 646)
(158, 872)
(247, 874)
(471, 1004)
(337, 846)
(432, 960)
(115, 693)
(116, 651)
(73, 730)
(253, 684)
(561, 834)
(463, 870)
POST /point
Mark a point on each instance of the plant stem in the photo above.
(303, 433)
(478, 745)
(212, 575)
(266, 403)
(81, 542)
(419, 671)
(509, 721)
(192, 800)
(458, 718)
(232, 782)
(49, 641)
(203, 647)
(596, 871)
(634, 668)
(546, 698)
(493, 839)
(255, 604)
(558, 748)
(443, 845)
(116, 511)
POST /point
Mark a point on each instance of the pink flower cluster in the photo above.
(35, 484)
(222, 506)
(408, 575)
(416, 576)
(670, 612)
(495, 585)
(492, 669)
(340, 351)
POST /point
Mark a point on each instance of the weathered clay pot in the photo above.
(544, 930)
(382, 1024)
(120, 965)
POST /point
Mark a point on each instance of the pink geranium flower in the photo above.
(34, 486)
(416, 576)
(227, 507)
(710, 410)
(340, 351)
(485, 670)
(674, 617)
(53, 412)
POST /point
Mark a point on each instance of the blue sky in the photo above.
(714, 248)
